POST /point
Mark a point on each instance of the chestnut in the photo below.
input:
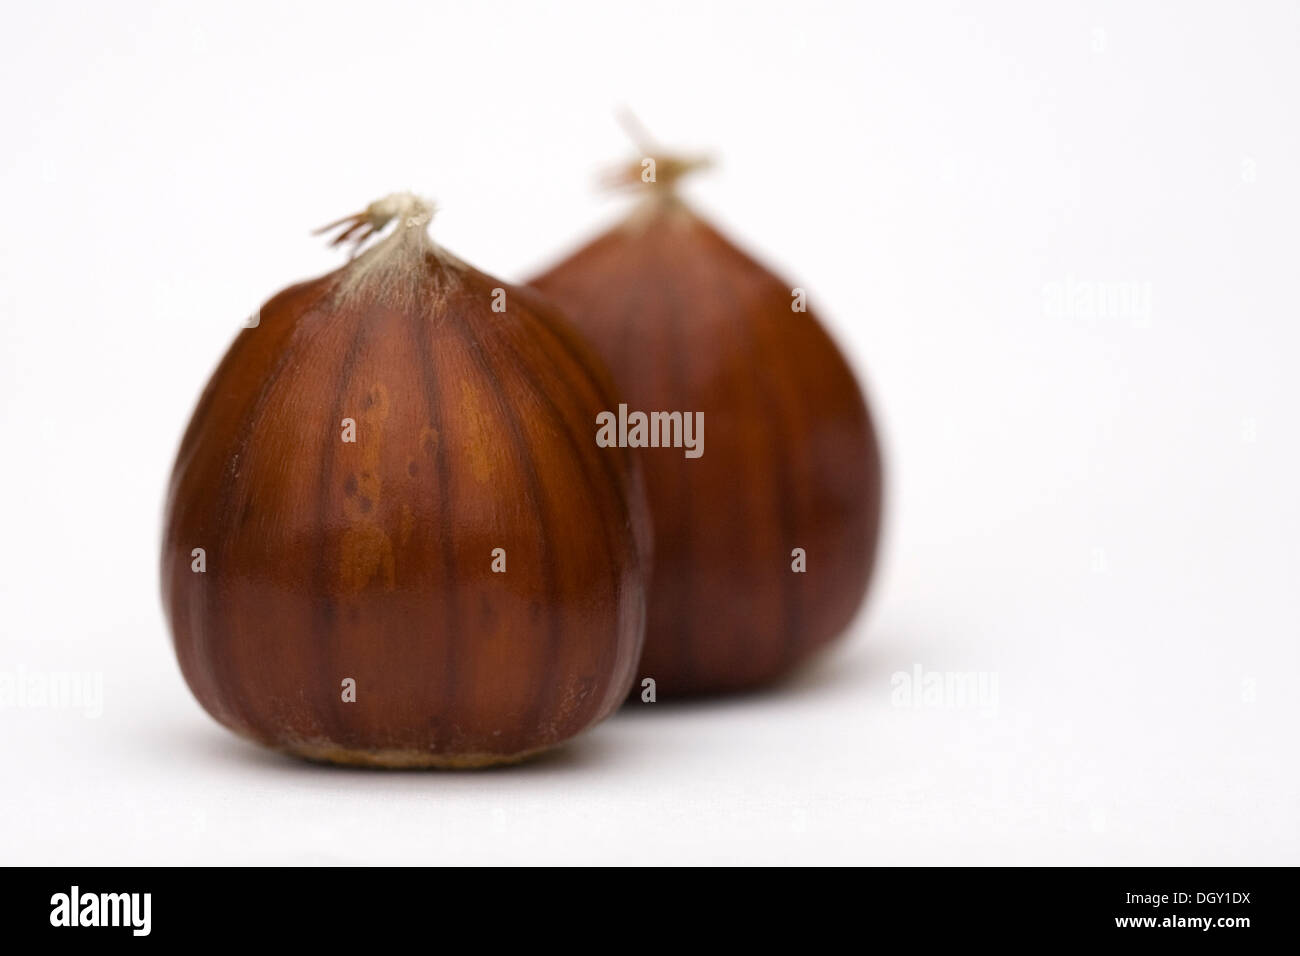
(766, 541)
(390, 538)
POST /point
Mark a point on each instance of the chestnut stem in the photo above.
(669, 168)
(411, 210)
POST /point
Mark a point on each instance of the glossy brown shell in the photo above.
(372, 560)
(688, 322)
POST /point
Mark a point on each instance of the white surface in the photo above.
(1102, 511)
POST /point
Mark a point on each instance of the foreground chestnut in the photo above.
(765, 542)
(390, 538)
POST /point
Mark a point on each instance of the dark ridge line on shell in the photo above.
(579, 362)
(792, 606)
(325, 611)
(846, 538)
(190, 440)
(632, 317)
(608, 655)
(546, 683)
(425, 348)
(219, 632)
(586, 360)
(241, 344)
(673, 330)
(865, 544)
(566, 338)
(869, 544)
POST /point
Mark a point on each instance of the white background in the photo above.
(1100, 510)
